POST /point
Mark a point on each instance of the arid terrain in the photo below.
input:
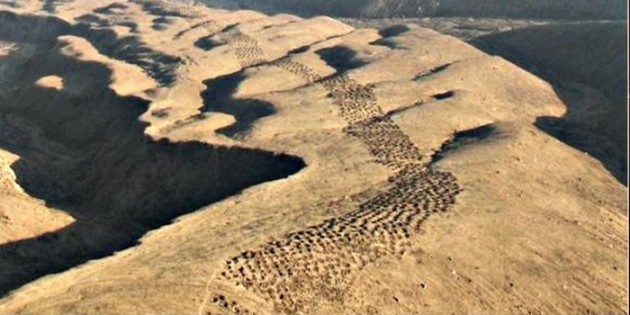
(160, 157)
(580, 47)
(513, 9)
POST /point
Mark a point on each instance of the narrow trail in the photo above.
(319, 262)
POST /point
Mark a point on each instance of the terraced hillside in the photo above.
(158, 157)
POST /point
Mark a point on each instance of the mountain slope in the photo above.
(585, 62)
(528, 9)
(229, 162)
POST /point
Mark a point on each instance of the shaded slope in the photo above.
(570, 56)
(218, 98)
(83, 150)
(130, 49)
(551, 9)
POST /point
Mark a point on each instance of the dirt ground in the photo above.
(168, 158)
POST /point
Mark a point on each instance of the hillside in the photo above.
(523, 9)
(586, 63)
(164, 158)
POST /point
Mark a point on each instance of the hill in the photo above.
(523, 9)
(585, 62)
(199, 160)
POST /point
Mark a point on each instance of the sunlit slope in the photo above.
(204, 161)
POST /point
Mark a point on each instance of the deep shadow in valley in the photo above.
(83, 150)
(218, 97)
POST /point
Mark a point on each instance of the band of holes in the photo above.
(317, 262)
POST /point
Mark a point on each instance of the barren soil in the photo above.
(160, 157)
(513, 9)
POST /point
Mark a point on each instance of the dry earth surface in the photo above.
(579, 48)
(537, 9)
(163, 158)
(586, 63)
